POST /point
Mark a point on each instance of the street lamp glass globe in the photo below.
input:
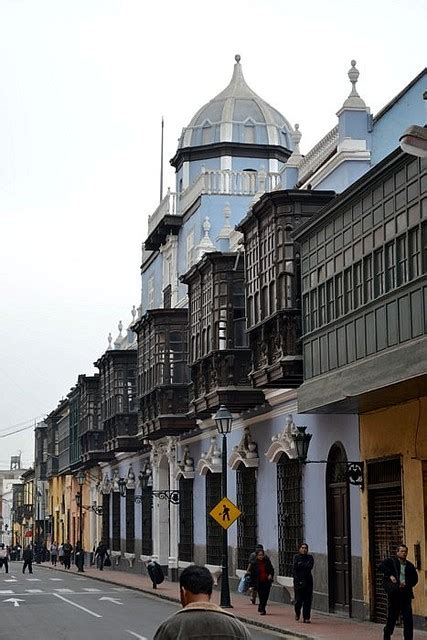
(223, 419)
(80, 478)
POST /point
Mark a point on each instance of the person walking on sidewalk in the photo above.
(101, 552)
(253, 591)
(4, 557)
(79, 557)
(53, 553)
(400, 576)
(303, 582)
(200, 619)
(262, 573)
(61, 553)
(68, 549)
(27, 556)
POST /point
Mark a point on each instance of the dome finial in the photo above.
(237, 58)
(353, 75)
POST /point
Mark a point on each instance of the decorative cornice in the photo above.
(283, 442)
(246, 452)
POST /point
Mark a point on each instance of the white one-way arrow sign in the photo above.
(15, 601)
(111, 600)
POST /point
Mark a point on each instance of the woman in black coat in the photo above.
(303, 582)
(262, 573)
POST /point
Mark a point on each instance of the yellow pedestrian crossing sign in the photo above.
(225, 513)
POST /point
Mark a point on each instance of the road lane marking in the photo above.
(64, 590)
(6, 591)
(33, 591)
(15, 601)
(79, 606)
(57, 579)
(33, 579)
(92, 590)
(111, 600)
(11, 580)
(136, 635)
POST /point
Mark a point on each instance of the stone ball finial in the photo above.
(237, 58)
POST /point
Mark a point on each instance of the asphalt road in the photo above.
(56, 606)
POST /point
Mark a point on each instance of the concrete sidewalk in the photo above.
(280, 617)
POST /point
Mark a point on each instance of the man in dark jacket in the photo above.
(27, 556)
(101, 552)
(400, 576)
(68, 550)
(200, 619)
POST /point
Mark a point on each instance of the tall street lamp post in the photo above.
(80, 479)
(224, 419)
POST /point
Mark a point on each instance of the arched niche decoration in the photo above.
(211, 460)
(283, 442)
(245, 453)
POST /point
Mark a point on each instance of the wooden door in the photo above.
(339, 554)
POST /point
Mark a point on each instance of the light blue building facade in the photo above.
(236, 149)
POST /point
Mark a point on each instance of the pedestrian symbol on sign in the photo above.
(225, 513)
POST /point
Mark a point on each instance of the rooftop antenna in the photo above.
(161, 161)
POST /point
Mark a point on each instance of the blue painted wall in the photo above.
(409, 109)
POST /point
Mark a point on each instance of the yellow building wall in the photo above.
(400, 430)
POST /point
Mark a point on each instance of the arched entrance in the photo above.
(338, 514)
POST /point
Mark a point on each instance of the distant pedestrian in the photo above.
(253, 591)
(400, 576)
(303, 582)
(262, 573)
(101, 553)
(53, 553)
(155, 572)
(61, 553)
(4, 557)
(27, 556)
(68, 550)
(200, 619)
(79, 557)
(18, 552)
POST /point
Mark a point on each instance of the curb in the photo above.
(164, 596)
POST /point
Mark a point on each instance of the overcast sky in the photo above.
(83, 86)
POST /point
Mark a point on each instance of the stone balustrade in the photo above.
(318, 154)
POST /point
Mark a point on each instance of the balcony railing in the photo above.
(318, 154)
(167, 207)
(218, 182)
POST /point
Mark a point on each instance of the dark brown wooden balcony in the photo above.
(118, 403)
(93, 450)
(163, 373)
(272, 282)
(220, 357)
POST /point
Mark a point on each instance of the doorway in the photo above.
(338, 519)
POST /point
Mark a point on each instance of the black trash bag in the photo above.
(155, 572)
